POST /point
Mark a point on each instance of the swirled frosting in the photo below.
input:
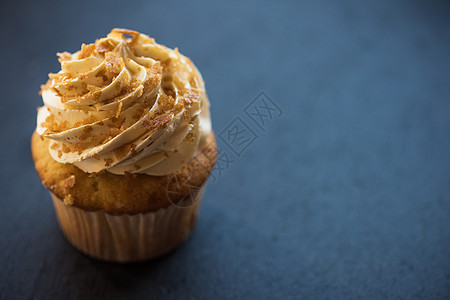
(125, 104)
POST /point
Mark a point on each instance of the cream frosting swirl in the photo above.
(125, 105)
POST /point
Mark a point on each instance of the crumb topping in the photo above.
(69, 200)
(69, 182)
(86, 50)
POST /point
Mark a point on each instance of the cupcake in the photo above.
(124, 144)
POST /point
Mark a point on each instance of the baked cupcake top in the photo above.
(125, 105)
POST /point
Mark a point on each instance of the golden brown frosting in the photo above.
(125, 105)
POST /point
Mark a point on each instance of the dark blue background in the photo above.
(346, 195)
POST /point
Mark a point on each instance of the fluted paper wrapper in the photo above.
(127, 238)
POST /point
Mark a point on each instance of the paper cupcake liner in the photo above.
(127, 238)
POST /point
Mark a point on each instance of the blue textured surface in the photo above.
(346, 195)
